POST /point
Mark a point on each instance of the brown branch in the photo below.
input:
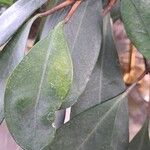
(56, 8)
(109, 6)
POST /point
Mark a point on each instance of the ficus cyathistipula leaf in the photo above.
(135, 14)
(37, 88)
(10, 56)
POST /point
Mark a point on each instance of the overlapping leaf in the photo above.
(103, 127)
(141, 141)
(15, 15)
(11, 56)
(106, 80)
(135, 14)
(36, 89)
(83, 32)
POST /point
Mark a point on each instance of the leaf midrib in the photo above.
(44, 68)
(79, 27)
(97, 125)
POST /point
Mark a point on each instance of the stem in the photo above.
(73, 9)
(148, 107)
(56, 8)
(109, 6)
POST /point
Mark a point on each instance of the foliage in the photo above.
(73, 64)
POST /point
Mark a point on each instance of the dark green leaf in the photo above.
(83, 32)
(84, 36)
(106, 80)
(135, 14)
(36, 89)
(141, 141)
(11, 56)
(103, 127)
(15, 15)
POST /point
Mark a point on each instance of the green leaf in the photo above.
(103, 127)
(15, 16)
(83, 32)
(135, 15)
(141, 141)
(106, 80)
(6, 2)
(11, 56)
(36, 89)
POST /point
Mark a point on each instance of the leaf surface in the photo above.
(141, 141)
(106, 80)
(36, 89)
(83, 32)
(103, 127)
(15, 16)
(11, 56)
(135, 15)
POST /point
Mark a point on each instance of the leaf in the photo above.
(141, 141)
(36, 89)
(103, 127)
(11, 56)
(106, 80)
(135, 14)
(15, 16)
(83, 32)
(6, 2)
